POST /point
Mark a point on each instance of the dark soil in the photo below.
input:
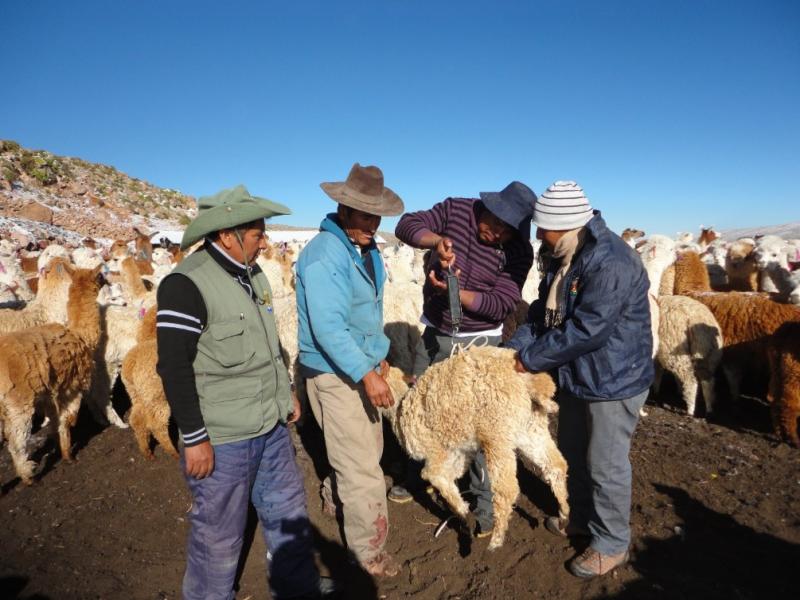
(716, 514)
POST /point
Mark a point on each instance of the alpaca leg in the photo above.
(66, 419)
(734, 379)
(102, 400)
(441, 471)
(18, 428)
(161, 434)
(785, 411)
(659, 375)
(540, 449)
(689, 393)
(138, 423)
(501, 462)
(709, 395)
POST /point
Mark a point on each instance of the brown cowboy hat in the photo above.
(364, 191)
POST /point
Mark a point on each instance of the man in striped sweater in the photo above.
(486, 243)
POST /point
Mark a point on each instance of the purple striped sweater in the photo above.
(496, 275)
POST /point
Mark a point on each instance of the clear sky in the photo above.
(670, 114)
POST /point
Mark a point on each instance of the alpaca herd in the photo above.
(74, 320)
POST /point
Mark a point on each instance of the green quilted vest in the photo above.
(239, 372)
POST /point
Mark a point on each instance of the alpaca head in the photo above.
(399, 384)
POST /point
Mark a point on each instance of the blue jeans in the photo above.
(595, 439)
(262, 470)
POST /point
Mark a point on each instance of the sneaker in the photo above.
(399, 495)
(382, 565)
(593, 564)
(555, 526)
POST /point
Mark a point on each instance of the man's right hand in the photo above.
(377, 390)
(199, 460)
(444, 251)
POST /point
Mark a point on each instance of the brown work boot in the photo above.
(592, 564)
(557, 527)
(381, 565)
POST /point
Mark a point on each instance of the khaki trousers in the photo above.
(353, 436)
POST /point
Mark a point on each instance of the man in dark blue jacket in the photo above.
(590, 328)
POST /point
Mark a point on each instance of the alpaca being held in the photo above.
(474, 400)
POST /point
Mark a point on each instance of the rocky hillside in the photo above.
(65, 193)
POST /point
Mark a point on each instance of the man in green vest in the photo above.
(228, 389)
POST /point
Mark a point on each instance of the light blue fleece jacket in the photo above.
(339, 308)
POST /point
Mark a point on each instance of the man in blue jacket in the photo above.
(590, 327)
(340, 277)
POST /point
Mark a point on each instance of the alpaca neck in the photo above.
(83, 314)
(655, 272)
(132, 280)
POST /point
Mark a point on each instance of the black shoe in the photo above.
(329, 589)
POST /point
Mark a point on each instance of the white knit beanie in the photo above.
(563, 206)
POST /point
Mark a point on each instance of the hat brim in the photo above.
(227, 216)
(388, 204)
(495, 204)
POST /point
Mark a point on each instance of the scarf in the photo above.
(566, 248)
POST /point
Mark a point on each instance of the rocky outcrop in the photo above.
(36, 212)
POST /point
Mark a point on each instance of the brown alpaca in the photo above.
(784, 382)
(691, 274)
(50, 304)
(740, 265)
(474, 400)
(149, 409)
(144, 248)
(49, 368)
(746, 320)
(135, 291)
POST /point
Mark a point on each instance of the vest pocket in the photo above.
(231, 343)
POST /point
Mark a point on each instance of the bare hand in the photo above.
(518, 366)
(377, 390)
(199, 460)
(445, 254)
(384, 368)
(296, 410)
(440, 286)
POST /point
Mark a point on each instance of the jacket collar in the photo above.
(331, 224)
(226, 262)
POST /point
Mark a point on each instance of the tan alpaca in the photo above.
(120, 327)
(476, 399)
(135, 291)
(50, 304)
(49, 368)
(149, 409)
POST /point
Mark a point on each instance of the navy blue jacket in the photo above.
(603, 348)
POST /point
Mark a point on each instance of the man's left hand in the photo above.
(518, 366)
(296, 410)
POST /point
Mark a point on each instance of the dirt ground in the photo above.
(716, 514)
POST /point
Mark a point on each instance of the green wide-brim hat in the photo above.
(228, 209)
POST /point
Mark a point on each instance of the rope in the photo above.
(459, 348)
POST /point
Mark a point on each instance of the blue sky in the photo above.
(669, 114)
